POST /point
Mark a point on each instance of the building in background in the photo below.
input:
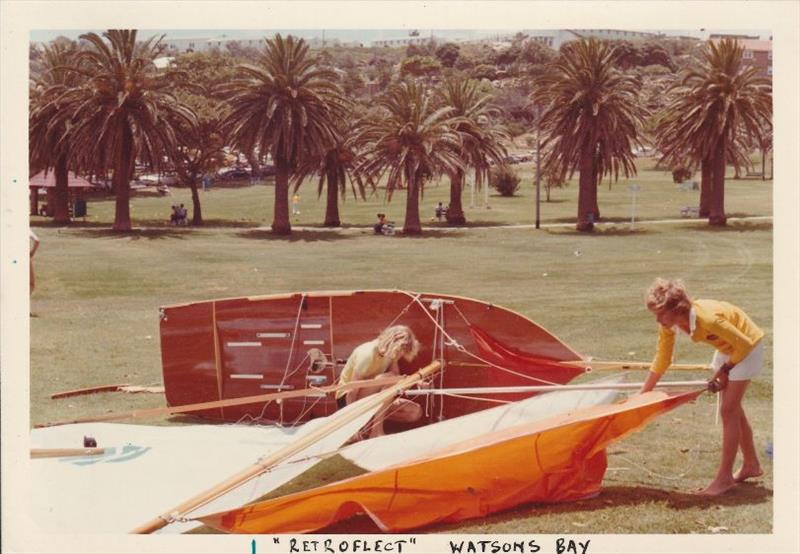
(757, 53)
(554, 38)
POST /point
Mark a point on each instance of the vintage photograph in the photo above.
(378, 280)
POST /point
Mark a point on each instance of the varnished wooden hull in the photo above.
(237, 347)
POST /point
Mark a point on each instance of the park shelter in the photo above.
(76, 185)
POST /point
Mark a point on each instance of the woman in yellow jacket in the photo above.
(738, 357)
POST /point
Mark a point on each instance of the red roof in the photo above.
(751, 44)
(41, 180)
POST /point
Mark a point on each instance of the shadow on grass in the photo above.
(304, 235)
(610, 497)
(135, 234)
(601, 231)
(731, 227)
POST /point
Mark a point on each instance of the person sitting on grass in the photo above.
(737, 360)
(378, 359)
(378, 227)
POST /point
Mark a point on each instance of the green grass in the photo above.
(251, 206)
(95, 318)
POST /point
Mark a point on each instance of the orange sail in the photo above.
(556, 459)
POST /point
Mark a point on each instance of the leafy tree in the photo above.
(124, 109)
(47, 150)
(287, 106)
(716, 110)
(484, 71)
(448, 53)
(474, 119)
(200, 146)
(504, 179)
(411, 140)
(591, 120)
(335, 166)
(536, 53)
(420, 66)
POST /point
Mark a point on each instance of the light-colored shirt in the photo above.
(363, 363)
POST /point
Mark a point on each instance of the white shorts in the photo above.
(745, 370)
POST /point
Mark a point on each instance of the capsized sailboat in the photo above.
(239, 347)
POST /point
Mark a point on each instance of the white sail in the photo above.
(146, 470)
(382, 452)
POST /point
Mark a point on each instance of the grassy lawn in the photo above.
(95, 315)
(251, 206)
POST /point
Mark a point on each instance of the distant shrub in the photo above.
(504, 179)
(681, 174)
(484, 71)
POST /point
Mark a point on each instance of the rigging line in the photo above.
(404, 310)
(458, 346)
(294, 338)
(481, 398)
(306, 411)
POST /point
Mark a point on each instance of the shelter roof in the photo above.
(49, 180)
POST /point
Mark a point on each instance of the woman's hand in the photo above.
(720, 379)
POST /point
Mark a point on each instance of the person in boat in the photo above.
(737, 359)
(377, 359)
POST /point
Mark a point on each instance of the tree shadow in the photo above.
(601, 231)
(731, 227)
(304, 235)
(609, 497)
(134, 234)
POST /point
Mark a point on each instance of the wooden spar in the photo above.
(594, 364)
(89, 390)
(287, 451)
(186, 408)
(547, 388)
(64, 452)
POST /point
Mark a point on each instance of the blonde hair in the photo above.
(668, 294)
(398, 341)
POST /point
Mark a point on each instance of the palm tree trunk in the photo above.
(455, 211)
(412, 225)
(280, 218)
(61, 214)
(255, 167)
(586, 183)
(706, 184)
(332, 200)
(197, 213)
(122, 183)
(717, 214)
(34, 201)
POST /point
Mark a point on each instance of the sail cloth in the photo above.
(560, 458)
(382, 452)
(147, 470)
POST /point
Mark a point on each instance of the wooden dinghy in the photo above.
(239, 347)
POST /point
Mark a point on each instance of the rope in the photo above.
(482, 399)
(455, 344)
(414, 298)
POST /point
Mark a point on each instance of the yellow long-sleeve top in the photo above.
(720, 324)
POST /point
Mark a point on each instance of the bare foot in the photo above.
(747, 473)
(716, 489)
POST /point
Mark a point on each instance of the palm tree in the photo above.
(717, 110)
(590, 121)
(287, 106)
(412, 140)
(45, 130)
(121, 112)
(482, 141)
(334, 165)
